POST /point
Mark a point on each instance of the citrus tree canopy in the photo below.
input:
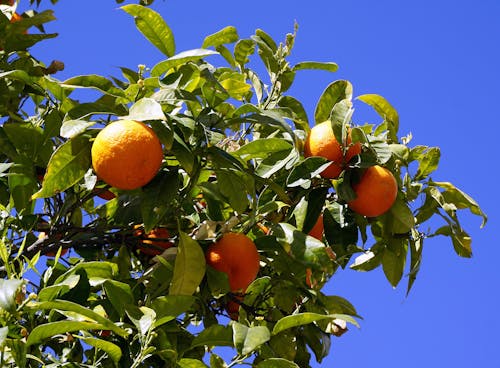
(190, 205)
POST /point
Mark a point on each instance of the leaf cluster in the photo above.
(233, 161)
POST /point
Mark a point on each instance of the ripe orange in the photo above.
(126, 154)
(318, 228)
(236, 255)
(154, 242)
(376, 192)
(322, 142)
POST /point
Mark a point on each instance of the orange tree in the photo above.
(232, 161)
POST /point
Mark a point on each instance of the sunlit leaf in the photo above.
(66, 167)
(301, 319)
(113, 351)
(335, 92)
(180, 59)
(145, 109)
(327, 66)
(8, 292)
(385, 110)
(72, 128)
(95, 82)
(65, 305)
(153, 27)
(226, 35)
(44, 331)
(191, 363)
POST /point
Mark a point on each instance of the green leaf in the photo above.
(402, 216)
(242, 50)
(189, 267)
(143, 318)
(157, 197)
(460, 239)
(300, 116)
(29, 141)
(66, 167)
(232, 185)
(146, 109)
(8, 292)
(416, 249)
(44, 331)
(225, 35)
(168, 307)
(302, 174)
(385, 110)
(22, 76)
(428, 163)
(335, 92)
(180, 59)
(247, 339)
(460, 199)
(71, 128)
(215, 335)
(113, 351)
(328, 66)
(94, 82)
(261, 148)
(119, 294)
(67, 306)
(393, 261)
(153, 27)
(3, 335)
(52, 292)
(276, 363)
(191, 363)
(301, 319)
(96, 271)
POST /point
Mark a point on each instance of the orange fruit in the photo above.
(318, 228)
(126, 154)
(322, 142)
(376, 192)
(154, 242)
(236, 255)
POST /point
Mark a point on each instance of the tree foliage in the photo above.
(233, 160)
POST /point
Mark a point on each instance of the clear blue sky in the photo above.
(438, 63)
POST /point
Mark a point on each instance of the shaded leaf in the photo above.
(215, 335)
(168, 307)
(189, 267)
(119, 294)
